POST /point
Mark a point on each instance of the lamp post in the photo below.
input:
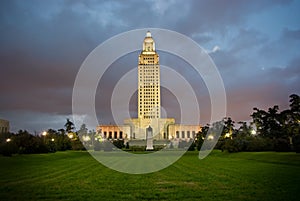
(44, 135)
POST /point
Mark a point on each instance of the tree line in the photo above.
(270, 130)
(51, 140)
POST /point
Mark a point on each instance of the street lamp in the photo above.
(210, 137)
(8, 140)
(86, 138)
(44, 133)
(70, 135)
(52, 139)
(253, 132)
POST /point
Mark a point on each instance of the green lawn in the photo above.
(221, 176)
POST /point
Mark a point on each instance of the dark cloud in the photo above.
(269, 87)
(44, 43)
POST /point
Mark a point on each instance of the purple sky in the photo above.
(255, 45)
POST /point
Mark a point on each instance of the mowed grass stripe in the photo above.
(221, 176)
(48, 170)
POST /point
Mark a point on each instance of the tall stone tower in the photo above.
(148, 82)
(149, 125)
(149, 114)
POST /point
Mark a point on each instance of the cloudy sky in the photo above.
(254, 44)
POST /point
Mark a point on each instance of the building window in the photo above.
(121, 134)
(182, 134)
(110, 135)
(188, 134)
(105, 134)
(115, 135)
(177, 134)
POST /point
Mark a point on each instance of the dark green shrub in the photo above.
(63, 143)
(137, 148)
(231, 146)
(282, 145)
(158, 147)
(8, 148)
(127, 145)
(119, 143)
(192, 147)
(296, 143)
(77, 145)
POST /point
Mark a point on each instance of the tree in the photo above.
(293, 122)
(69, 126)
(295, 104)
(228, 127)
(83, 130)
(199, 139)
(268, 124)
(29, 144)
(244, 130)
(62, 131)
(293, 116)
(259, 118)
(274, 119)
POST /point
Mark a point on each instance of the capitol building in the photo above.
(134, 130)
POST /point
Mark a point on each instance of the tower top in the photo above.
(148, 34)
(149, 44)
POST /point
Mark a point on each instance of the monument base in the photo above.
(149, 148)
(149, 139)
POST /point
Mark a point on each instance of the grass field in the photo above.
(221, 176)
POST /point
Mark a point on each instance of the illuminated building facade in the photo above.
(149, 105)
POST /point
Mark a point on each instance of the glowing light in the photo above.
(70, 135)
(52, 139)
(8, 140)
(210, 137)
(86, 138)
(44, 133)
(253, 132)
(227, 135)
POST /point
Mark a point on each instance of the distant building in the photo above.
(149, 106)
(4, 126)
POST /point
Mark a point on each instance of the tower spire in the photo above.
(148, 34)
(149, 44)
